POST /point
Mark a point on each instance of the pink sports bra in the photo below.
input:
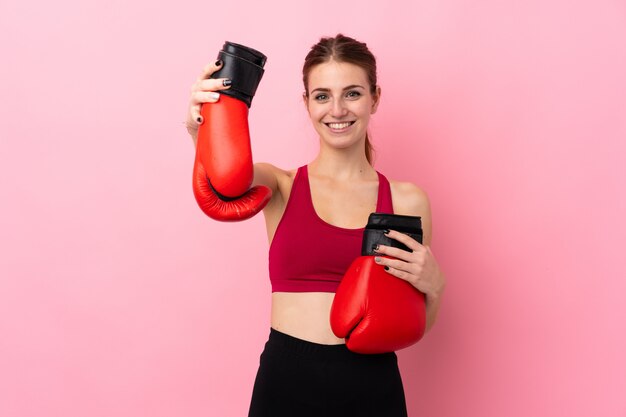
(309, 255)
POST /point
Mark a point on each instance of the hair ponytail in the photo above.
(369, 149)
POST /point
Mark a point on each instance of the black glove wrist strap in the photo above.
(377, 223)
(244, 66)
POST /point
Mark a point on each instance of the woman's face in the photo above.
(340, 103)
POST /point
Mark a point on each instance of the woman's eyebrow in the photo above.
(325, 90)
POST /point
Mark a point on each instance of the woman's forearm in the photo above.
(193, 132)
(432, 308)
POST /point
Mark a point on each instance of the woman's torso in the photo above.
(343, 206)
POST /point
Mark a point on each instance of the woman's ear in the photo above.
(305, 99)
(376, 98)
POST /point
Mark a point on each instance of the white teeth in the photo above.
(339, 125)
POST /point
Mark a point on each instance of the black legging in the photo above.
(297, 378)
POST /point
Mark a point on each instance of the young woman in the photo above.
(305, 369)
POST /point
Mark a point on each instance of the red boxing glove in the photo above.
(374, 311)
(223, 169)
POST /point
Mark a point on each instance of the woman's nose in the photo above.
(339, 109)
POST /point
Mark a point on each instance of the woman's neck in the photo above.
(342, 167)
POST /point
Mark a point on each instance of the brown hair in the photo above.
(343, 49)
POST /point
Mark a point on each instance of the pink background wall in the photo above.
(119, 297)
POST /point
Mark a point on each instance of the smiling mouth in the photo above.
(339, 126)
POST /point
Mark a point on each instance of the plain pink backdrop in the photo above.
(119, 297)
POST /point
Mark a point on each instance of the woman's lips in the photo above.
(339, 126)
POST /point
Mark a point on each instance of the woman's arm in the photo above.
(419, 268)
(269, 176)
(205, 91)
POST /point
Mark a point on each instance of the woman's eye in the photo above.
(321, 97)
(353, 94)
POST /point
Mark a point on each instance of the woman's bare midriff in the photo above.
(305, 315)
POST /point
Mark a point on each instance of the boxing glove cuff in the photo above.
(377, 223)
(244, 66)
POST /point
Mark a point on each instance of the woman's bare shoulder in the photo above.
(409, 199)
